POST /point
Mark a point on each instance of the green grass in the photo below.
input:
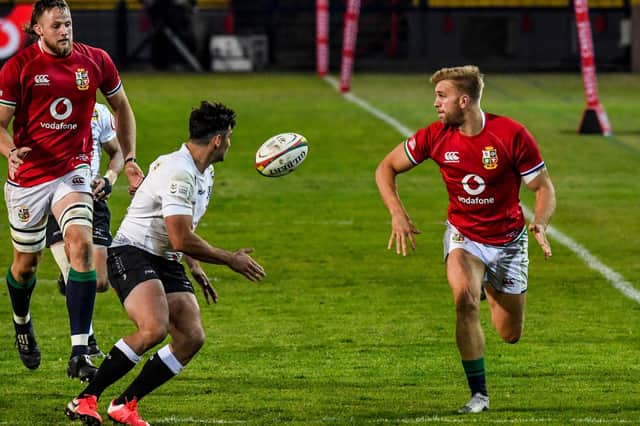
(342, 331)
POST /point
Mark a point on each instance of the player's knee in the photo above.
(511, 336)
(466, 302)
(153, 334)
(197, 339)
(190, 341)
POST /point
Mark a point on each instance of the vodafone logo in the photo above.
(61, 108)
(473, 184)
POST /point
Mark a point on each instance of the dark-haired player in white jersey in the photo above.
(103, 133)
(483, 159)
(145, 270)
(49, 90)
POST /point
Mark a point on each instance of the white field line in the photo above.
(416, 420)
(592, 262)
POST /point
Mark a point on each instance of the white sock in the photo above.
(57, 250)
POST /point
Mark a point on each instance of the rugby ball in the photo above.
(281, 154)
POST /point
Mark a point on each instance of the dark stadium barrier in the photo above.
(394, 35)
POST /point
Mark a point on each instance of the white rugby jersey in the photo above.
(103, 129)
(174, 186)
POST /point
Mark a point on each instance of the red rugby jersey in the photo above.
(53, 99)
(482, 174)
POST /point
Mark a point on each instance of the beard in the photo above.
(60, 49)
(454, 118)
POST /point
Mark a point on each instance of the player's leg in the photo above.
(27, 209)
(101, 241)
(506, 289)
(465, 273)
(145, 303)
(56, 244)
(507, 313)
(187, 337)
(20, 291)
(73, 208)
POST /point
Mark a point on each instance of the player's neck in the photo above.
(473, 123)
(199, 155)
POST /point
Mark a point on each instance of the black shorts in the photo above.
(128, 266)
(101, 226)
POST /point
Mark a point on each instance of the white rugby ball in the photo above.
(281, 154)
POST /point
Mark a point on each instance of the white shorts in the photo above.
(29, 207)
(507, 266)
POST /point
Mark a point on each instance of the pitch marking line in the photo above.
(616, 280)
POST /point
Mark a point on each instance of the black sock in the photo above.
(474, 369)
(81, 295)
(154, 373)
(112, 369)
(20, 295)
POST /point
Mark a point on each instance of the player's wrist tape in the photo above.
(107, 186)
(130, 159)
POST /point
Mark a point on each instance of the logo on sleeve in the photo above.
(180, 189)
(489, 158)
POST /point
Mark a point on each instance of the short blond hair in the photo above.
(468, 79)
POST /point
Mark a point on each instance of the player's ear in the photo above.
(217, 140)
(38, 30)
(464, 101)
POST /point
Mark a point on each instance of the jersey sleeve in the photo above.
(106, 126)
(9, 84)
(111, 82)
(177, 197)
(417, 147)
(528, 157)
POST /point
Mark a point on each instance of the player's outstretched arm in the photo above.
(544, 208)
(188, 242)
(126, 131)
(402, 229)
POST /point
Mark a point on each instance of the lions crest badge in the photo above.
(82, 79)
(23, 214)
(489, 158)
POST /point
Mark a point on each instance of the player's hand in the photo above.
(243, 264)
(201, 278)
(101, 188)
(16, 158)
(135, 176)
(402, 229)
(539, 231)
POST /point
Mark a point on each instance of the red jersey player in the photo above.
(49, 89)
(483, 159)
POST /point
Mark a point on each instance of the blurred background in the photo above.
(394, 35)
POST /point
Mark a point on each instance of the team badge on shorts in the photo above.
(23, 214)
(82, 79)
(457, 238)
(489, 158)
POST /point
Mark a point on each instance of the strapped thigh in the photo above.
(78, 213)
(31, 240)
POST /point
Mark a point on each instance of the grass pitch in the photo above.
(342, 331)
